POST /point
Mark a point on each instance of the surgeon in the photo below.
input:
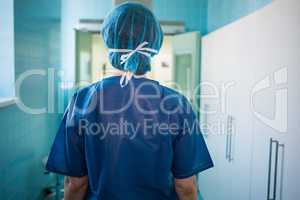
(127, 137)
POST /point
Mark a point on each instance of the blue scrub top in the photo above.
(130, 141)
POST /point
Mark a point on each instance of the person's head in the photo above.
(127, 27)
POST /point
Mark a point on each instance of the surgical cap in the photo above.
(128, 27)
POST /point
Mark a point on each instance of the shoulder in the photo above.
(174, 103)
(85, 98)
(86, 91)
(89, 94)
(174, 99)
(96, 87)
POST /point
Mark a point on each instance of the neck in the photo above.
(117, 72)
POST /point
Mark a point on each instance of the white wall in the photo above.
(159, 72)
(7, 62)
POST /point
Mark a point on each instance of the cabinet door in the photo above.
(228, 77)
(275, 99)
(211, 182)
(291, 177)
(291, 174)
(214, 179)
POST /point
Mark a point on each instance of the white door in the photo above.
(186, 54)
(227, 79)
(83, 58)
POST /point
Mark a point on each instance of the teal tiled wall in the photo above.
(25, 138)
(220, 13)
(205, 15)
(191, 12)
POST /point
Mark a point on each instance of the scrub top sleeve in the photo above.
(67, 155)
(190, 152)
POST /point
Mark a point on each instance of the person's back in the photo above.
(131, 152)
(129, 140)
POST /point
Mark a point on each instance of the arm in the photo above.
(75, 188)
(186, 189)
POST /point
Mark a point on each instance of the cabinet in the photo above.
(250, 72)
(275, 159)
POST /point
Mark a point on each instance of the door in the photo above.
(83, 58)
(101, 65)
(186, 54)
(226, 113)
(226, 82)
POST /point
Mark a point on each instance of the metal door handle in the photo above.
(205, 121)
(227, 147)
(275, 175)
(270, 168)
(270, 171)
(229, 139)
(282, 146)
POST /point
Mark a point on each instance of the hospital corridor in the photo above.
(149, 99)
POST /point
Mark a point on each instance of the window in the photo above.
(7, 60)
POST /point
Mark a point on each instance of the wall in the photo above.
(191, 12)
(7, 50)
(25, 139)
(220, 13)
(72, 11)
(163, 63)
